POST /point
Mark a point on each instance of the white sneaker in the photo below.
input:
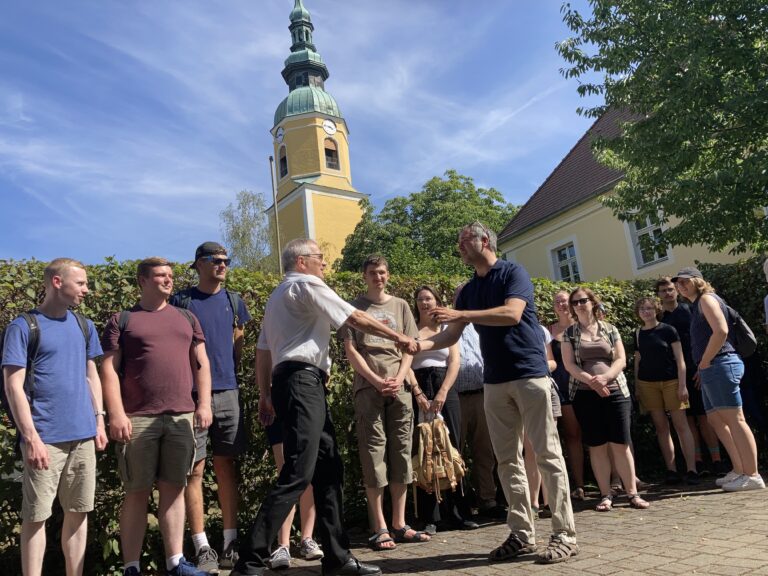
(309, 550)
(280, 558)
(745, 482)
(730, 477)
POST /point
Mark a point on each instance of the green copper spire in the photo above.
(299, 12)
(304, 72)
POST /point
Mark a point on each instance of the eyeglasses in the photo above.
(217, 261)
(318, 256)
(580, 302)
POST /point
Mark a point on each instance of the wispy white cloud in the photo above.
(134, 124)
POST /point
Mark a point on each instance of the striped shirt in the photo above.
(470, 376)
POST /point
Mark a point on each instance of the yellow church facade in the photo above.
(315, 195)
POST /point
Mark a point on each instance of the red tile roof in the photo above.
(577, 178)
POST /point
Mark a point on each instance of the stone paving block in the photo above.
(700, 560)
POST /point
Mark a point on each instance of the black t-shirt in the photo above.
(680, 320)
(657, 361)
(509, 352)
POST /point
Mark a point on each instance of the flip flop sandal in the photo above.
(401, 535)
(606, 504)
(638, 503)
(379, 539)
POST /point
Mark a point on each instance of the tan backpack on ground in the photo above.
(437, 465)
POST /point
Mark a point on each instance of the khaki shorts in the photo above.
(71, 474)
(659, 396)
(162, 447)
(384, 436)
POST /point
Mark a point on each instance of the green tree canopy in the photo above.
(417, 233)
(695, 75)
(246, 232)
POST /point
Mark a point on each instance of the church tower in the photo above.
(315, 196)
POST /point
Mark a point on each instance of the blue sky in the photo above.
(126, 127)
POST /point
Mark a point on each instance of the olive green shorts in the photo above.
(162, 447)
(384, 436)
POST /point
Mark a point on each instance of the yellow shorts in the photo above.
(659, 396)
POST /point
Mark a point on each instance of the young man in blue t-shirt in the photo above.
(224, 334)
(62, 424)
(498, 300)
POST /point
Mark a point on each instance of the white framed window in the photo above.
(566, 264)
(650, 251)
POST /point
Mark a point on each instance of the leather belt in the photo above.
(290, 366)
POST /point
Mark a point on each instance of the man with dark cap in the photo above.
(222, 315)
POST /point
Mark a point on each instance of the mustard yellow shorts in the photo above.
(659, 396)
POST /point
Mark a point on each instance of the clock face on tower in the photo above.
(279, 135)
(330, 127)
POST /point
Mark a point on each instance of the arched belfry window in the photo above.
(331, 154)
(283, 162)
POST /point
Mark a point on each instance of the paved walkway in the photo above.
(706, 531)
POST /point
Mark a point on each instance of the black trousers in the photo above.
(311, 456)
(454, 509)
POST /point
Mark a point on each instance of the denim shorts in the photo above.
(720, 383)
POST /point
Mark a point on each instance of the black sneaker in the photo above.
(718, 468)
(672, 478)
(701, 468)
(692, 478)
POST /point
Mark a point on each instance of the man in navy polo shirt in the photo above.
(223, 327)
(498, 301)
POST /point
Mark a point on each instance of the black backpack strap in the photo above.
(33, 345)
(182, 299)
(188, 315)
(122, 323)
(82, 321)
(234, 303)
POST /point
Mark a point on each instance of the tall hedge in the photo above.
(113, 287)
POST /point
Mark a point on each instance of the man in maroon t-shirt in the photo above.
(158, 355)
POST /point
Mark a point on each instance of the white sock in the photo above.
(230, 535)
(135, 564)
(173, 561)
(199, 540)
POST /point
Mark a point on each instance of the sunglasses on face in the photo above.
(579, 302)
(217, 261)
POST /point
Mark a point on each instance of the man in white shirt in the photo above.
(292, 365)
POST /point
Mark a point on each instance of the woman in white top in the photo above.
(436, 372)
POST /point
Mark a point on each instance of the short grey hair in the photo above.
(480, 231)
(296, 248)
